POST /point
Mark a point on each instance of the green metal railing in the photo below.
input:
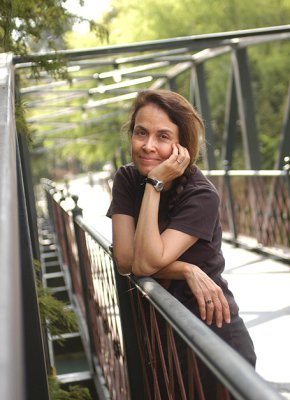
(128, 316)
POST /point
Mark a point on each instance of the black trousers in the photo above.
(237, 336)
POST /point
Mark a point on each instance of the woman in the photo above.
(165, 215)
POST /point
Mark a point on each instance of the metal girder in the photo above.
(202, 104)
(195, 42)
(246, 108)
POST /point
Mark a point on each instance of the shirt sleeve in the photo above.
(122, 194)
(196, 213)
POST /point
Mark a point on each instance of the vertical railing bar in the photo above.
(176, 362)
(284, 150)
(231, 204)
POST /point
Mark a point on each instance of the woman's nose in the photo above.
(150, 143)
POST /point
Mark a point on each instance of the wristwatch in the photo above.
(158, 185)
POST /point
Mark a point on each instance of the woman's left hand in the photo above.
(210, 298)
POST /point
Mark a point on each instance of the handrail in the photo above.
(232, 370)
(11, 355)
(246, 172)
(235, 373)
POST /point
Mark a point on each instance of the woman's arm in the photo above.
(125, 254)
(152, 250)
(201, 285)
(123, 242)
(203, 288)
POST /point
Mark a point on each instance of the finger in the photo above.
(181, 152)
(218, 310)
(210, 307)
(225, 308)
(222, 310)
(183, 155)
(174, 155)
(201, 304)
(174, 150)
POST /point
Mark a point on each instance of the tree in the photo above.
(37, 25)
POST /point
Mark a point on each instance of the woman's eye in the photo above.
(139, 133)
(163, 136)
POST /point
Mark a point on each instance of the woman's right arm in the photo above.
(123, 242)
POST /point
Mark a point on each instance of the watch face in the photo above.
(159, 186)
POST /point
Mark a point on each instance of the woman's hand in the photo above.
(173, 167)
(209, 296)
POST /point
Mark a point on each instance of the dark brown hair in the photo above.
(180, 112)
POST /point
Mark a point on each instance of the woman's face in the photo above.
(152, 139)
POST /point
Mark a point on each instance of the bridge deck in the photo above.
(261, 287)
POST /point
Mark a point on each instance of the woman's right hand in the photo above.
(210, 298)
(173, 167)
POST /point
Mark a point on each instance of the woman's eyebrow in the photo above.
(140, 126)
(161, 130)
(166, 130)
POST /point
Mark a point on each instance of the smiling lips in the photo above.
(148, 159)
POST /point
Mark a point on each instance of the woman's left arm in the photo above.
(152, 250)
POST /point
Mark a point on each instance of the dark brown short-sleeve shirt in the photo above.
(196, 212)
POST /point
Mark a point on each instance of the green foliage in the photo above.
(33, 25)
(74, 392)
(54, 314)
(131, 21)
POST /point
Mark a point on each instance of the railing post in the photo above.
(230, 202)
(130, 337)
(287, 169)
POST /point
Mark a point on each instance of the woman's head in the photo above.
(179, 111)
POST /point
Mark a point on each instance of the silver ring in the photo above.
(178, 161)
(208, 301)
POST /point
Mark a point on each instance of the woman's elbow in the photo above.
(139, 269)
(123, 266)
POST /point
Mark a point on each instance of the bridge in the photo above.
(76, 258)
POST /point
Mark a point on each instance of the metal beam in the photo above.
(203, 106)
(246, 108)
(196, 42)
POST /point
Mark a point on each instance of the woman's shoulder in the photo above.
(199, 181)
(129, 172)
(198, 190)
